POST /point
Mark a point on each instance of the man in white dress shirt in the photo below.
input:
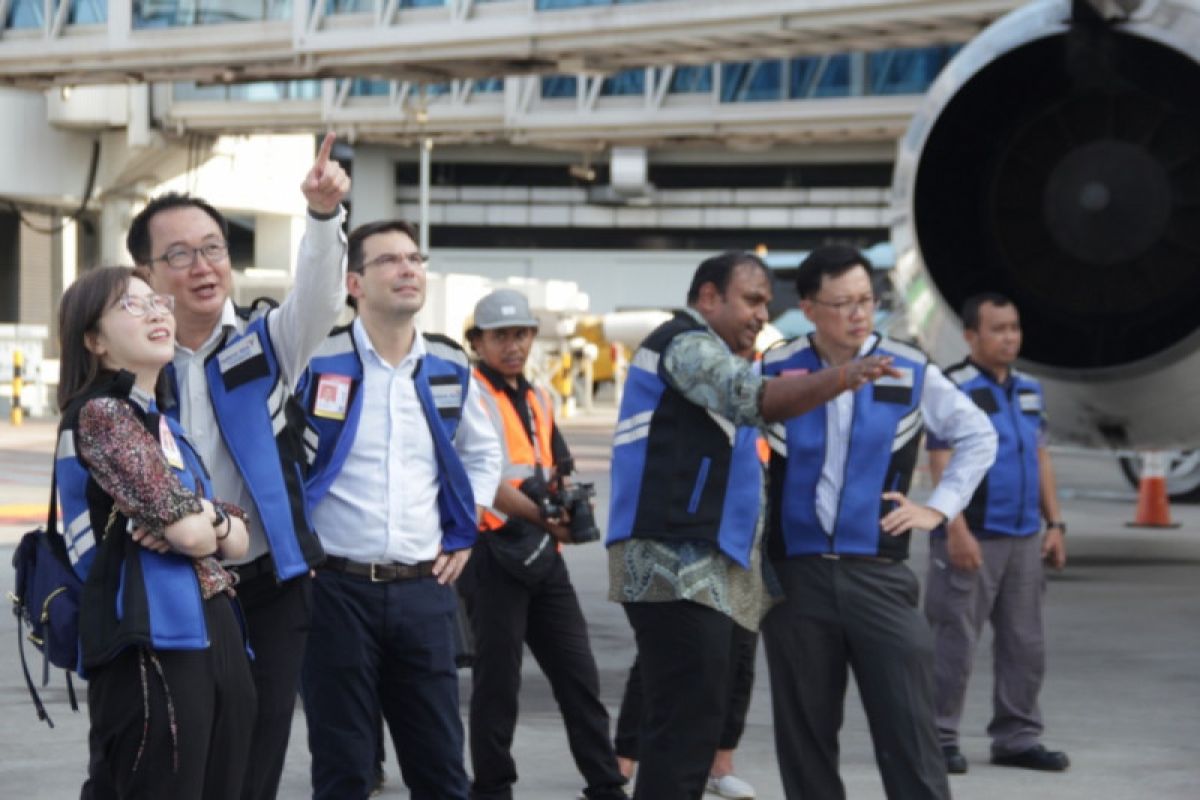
(405, 452)
(838, 539)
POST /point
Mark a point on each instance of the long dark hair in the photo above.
(83, 304)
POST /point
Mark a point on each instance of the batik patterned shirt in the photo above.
(702, 368)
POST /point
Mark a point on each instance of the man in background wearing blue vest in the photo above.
(838, 539)
(685, 528)
(987, 563)
(405, 451)
(231, 379)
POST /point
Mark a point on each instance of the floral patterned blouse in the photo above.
(127, 462)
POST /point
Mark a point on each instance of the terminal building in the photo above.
(613, 143)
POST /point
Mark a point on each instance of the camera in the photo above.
(553, 499)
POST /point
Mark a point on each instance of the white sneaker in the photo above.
(731, 787)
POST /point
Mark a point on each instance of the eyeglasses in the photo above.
(847, 307)
(393, 260)
(184, 257)
(141, 305)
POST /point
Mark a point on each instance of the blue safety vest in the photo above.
(885, 436)
(264, 432)
(442, 378)
(679, 471)
(131, 596)
(1007, 501)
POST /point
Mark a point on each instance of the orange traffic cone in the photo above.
(1153, 508)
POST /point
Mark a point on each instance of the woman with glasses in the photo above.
(170, 696)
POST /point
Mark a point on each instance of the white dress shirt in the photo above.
(297, 327)
(947, 412)
(382, 506)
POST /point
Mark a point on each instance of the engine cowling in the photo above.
(1057, 160)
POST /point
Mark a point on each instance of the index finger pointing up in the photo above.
(326, 149)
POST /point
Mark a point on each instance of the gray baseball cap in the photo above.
(504, 308)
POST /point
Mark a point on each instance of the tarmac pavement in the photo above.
(1122, 692)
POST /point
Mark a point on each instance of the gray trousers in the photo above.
(862, 615)
(1007, 590)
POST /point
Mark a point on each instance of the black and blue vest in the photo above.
(441, 378)
(263, 429)
(885, 437)
(131, 596)
(679, 471)
(1007, 501)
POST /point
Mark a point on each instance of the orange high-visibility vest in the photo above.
(520, 458)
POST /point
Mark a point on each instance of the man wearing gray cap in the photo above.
(517, 587)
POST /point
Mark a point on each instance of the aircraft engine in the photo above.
(1057, 160)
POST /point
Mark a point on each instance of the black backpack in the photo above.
(45, 600)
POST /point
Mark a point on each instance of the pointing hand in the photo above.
(326, 183)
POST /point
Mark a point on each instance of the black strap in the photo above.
(71, 691)
(33, 693)
(52, 517)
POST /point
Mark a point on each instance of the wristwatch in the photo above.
(1062, 526)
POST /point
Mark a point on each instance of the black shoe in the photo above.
(1036, 757)
(956, 762)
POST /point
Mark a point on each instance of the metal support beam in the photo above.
(386, 12)
(589, 91)
(399, 93)
(658, 82)
(460, 10)
(343, 91)
(55, 27)
(316, 14)
(426, 153)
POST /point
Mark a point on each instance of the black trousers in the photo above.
(862, 615)
(210, 694)
(505, 615)
(743, 650)
(386, 646)
(277, 619)
(683, 652)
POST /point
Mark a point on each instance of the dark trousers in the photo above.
(683, 652)
(386, 646)
(861, 615)
(277, 619)
(505, 615)
(742, 652)
(210, 694)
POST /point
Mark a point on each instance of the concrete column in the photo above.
(277, 241)
(115, 215)
(373, 192)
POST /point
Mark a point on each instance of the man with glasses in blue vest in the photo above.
(838, 540)
(230, 383)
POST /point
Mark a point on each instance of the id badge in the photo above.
(170, 447)
(333, 397)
